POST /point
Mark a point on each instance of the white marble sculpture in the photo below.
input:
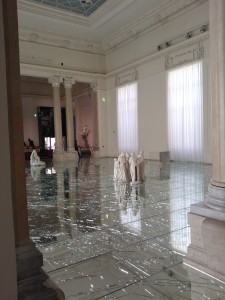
(36, 172)
(35, 159)
(122, 168)
(128, 167)
(134, 169)
(141, 162)
(116, 169)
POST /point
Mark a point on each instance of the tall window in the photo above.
(185, 113)
(127, 118)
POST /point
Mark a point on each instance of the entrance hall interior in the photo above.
(144, 75)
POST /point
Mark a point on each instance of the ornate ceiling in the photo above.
(82, 7)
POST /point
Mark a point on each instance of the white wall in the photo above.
(152, 83)
(39, 54)
(142, 56)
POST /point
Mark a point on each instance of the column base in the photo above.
(206, 251)
(31, 279)
(215, 198)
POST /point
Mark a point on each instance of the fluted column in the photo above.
(216, 194)
(100, 90)
(68, 82)
(55, 81)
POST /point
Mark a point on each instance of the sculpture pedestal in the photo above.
(206, 251)
(65, 156)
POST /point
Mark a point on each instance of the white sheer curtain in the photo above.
(185, 113)
(127, 118)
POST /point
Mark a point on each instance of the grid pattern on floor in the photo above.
(106, 240)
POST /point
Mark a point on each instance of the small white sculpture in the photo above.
(35, 159)
(122, 168)
(36, 172)
(134, 169)
(141, 162)
(116, 169)
(129, 167)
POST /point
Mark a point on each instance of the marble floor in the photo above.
(105, 240)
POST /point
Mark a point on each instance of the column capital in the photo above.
(68, 82)
(55, 81)
(94, 85)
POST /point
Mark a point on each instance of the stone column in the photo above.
(99, 89)
(32, 282)
(207, 220)
(55, 81)
(216, 193)
(68, 82)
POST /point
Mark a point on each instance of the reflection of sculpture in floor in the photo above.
(36, 172)
(84, 135)
(35, 159)
(129, 167)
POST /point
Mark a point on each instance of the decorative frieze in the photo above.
(184, 56)
(47, 72)
(34, 35)
(126, 77)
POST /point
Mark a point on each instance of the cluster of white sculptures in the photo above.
(129, 167)
(35, 160)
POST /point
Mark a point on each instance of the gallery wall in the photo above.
(139, 60)
(150, 72)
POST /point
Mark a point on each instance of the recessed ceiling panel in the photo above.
(82, 7)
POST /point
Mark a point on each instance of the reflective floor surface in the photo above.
(106, 240)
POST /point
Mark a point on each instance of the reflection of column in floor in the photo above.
(60, 205)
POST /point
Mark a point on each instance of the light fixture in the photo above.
(35, 115)
(203, 28)
(188, 35)
(167, 44)
(86, 2)
(159, 47)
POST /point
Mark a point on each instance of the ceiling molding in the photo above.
(105, 12)
(108, 10)
(52, 12)
(150, 21)
(49, 38)
(47, 72)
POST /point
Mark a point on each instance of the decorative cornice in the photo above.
(108, 10)
(98, 80)
(150, 21)
(52, 12)
(34, 35)
(47, 72)
(99, 17)
(126, 77)
(156, 55)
